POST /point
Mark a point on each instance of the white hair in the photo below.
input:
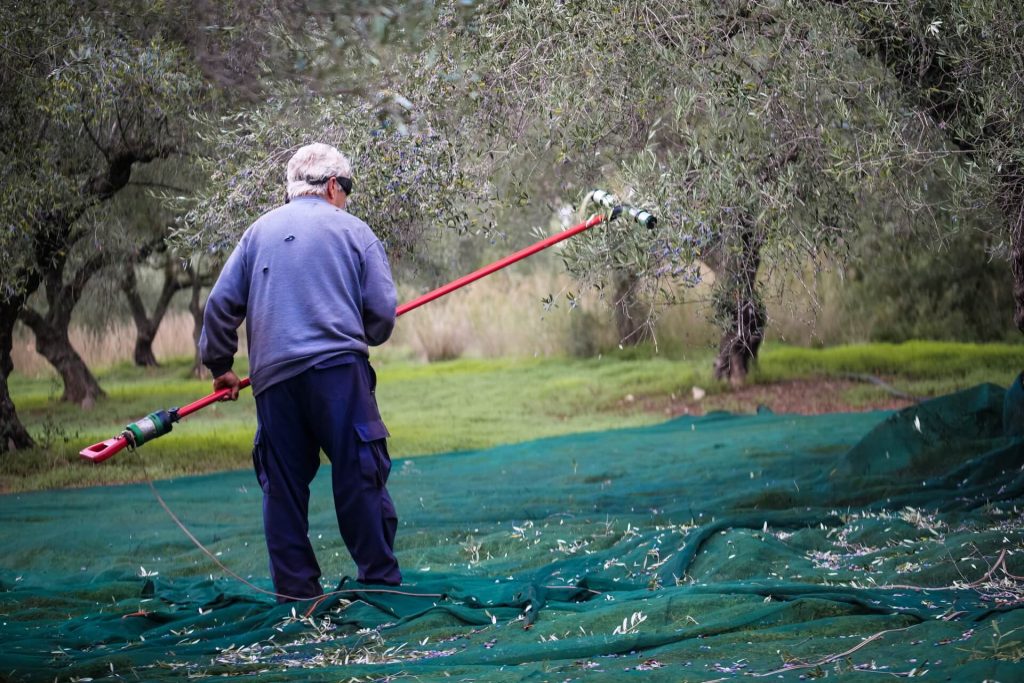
(312, 163)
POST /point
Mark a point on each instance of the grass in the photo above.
(429, 408)
(918, 368)
(919, 360)
(454, 405)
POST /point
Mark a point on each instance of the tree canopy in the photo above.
(729, 120)
(960, 66)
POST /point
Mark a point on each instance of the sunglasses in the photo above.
(344, 183)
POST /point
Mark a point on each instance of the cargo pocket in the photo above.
(374, 460)
(259, 463)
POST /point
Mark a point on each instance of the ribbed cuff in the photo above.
(218, 368)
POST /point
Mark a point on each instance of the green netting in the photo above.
(714, 548)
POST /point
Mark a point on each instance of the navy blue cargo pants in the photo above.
(330, 407)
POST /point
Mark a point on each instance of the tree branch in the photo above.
(171, 287)
(95, 140)
(73, 290)
(32, 318)
(130, 287)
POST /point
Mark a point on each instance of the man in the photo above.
(314, 287)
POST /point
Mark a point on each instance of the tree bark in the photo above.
(13, 435)
(739, 309)
(197, 307)
(143, 355)
(51, 330)
(146, 325)
(53, 344)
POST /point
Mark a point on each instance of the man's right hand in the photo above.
(229, 380)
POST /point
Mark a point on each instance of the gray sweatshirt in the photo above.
(311, 281)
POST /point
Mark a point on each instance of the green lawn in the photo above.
(456, 405)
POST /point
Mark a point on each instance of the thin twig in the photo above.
(833, 657)
(878, 382)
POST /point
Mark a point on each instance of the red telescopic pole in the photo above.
(105, 449)
(498, 265)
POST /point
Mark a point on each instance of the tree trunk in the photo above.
(630, 321)
(740, 311)
(53, 344)
(197, 307)
(13, 435)
(143, 354)
(51, 331)
(146, 326)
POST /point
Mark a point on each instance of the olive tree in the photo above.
(85, 105)
(725, 118)
(112, 104)
(959, 65)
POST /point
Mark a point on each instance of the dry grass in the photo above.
(503, 315)
(807, 310)
(500, 316)
(114, 345)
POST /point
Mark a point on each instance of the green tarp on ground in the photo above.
(703, 549)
